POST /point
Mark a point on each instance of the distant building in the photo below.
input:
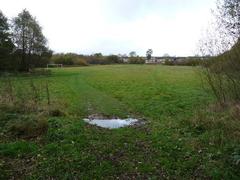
(158, 60)
(125, 59)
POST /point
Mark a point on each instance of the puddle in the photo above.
(112, 123)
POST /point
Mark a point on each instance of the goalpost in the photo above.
(55, 65)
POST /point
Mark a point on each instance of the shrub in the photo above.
(169, 62)
(113, 59)
(69, 60)
(184, 62)
(189, 62)
(56, 112)
(62, 59)
(25, 109)
(222, 74)
(29, 126)
(80, 62)
(136, 60)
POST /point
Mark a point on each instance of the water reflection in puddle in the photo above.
(112, 123)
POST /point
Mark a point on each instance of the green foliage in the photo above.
(103, 60)
(149, 54)
(223, 75)
(80, 62)
(63, 59)
(133, 54)
(30, 51)
(25, 112)
(28, 126)
(136, 60)
(6, 45)
(69, 59)
(30, 41)
(169, 62)
(113, 59)
(184, 62)
(16, 149)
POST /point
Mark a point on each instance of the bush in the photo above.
(14, 61)
(169, 62)
(80, 62)
(25, 109)
(189, 62)
(29, 126)
(113, 59)
(55, 112)
(62, 59)
(222, 74)
(136, 60)
(69, 60)
(97, 59)
(184, 62)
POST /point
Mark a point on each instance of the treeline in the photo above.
(22, 43)
(186, 62)
(72, 59)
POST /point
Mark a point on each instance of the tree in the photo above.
(149, 54)
(136, 60)
(222, 70)
(133, 54)
(98, 55)
(224, 31)
(112, 59)
(228, 16)
(166, 55)
(28, 37)
(6, 45)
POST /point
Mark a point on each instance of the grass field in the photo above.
(171, 144)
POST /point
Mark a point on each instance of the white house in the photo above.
(157, 60)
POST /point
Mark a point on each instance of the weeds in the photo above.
(222, 74)
(28, 102)
(28, 126)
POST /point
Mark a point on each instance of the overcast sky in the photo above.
(118, 26)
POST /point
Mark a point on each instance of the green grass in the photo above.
(167, 146)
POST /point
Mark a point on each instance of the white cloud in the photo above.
(118, 26)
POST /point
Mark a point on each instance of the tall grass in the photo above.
(31, 102)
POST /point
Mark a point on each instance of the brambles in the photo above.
(32, 105)
(222, 73)
(28, 126)
(222, 70)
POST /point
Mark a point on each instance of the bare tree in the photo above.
(149, 54)
(221, 41)
(228, 16)
(132, 54)
(28, 37)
